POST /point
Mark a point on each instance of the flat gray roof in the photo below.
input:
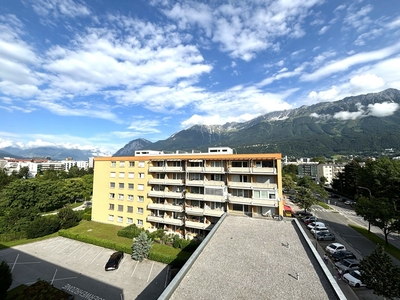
(250, 258)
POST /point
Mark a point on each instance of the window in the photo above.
(240, 193)
(141, 164)
(111, 206)
(112, 195)
(196, 176)
(260, 194)
(121, 175)
(130, 186)
(120, 208)
(264, 164)
(177, 176)
(131, 175)
(140, 210)
(175, 163)
(113, 164)
(112, 185)
(121, 185)
(130, 209)
(272, 196)
(140, 187)
(140, 199)
(214, 191)
(130, 197)
(112, 174)
(120, 196)
(140, 222)
(197, 190)
(216, 177)
(131, 164)
(129, 221)
(141, 175)
(111, 217)
(240, 178)
(121, 164)
(196, 164)
(120, 219)
(159, 163)
(216, 164)
(240, 164)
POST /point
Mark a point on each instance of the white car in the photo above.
(316, 225)
(319, 229)
(353, 278)
(332, 248)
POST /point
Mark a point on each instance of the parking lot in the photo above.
(78, 268)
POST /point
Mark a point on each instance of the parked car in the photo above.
(114, 260)
(315, 224)
(343, 254)
(318, 229)
(302, 213)
(349, 202)
(333, 247)
(353, 278)
(347, 265)
(309, 219)
(335, 196)
(325, 236)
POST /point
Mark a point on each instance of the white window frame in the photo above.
(141, 175)
(121, 175)
(112, 196)
(112, 174)
(140, 187)
(141, 164)
(129, 220)
(140, 198)
(120, 196)
(120, 219)
(131, 175)
(130, 197)
(139, 222)
(140, 210)
(110, 217)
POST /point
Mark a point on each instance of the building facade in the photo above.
(185, 193)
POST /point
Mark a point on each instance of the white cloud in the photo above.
(323, 30)
(371, 81)
(60, 8)
(394, 24)
(145, 126)
(324, 96)
(350, 61)
(347, 115)
(383, 109)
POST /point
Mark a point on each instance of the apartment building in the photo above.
(185, 193)
(329, 171)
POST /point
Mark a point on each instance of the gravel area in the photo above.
(251, 258)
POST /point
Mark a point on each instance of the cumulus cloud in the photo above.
(372, 81)
(382, 109)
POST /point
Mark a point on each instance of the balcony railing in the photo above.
(251, 201)
(165, 220)
(194, 211)
(198, 225)
(166, 207)
(202, 197)
(213, 212)
(252, 170)
(166, 169)
(165, 194)
(204, 183)
(166, 181)
(219, 170)
(252, 185)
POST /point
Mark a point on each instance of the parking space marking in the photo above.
(151, 269)
(120, 264)
(75, 250)
(137, 262)
(65, 278)
(66, 247)
(52, 241)
(85, 253)
(52, 280)
(96, 256)
(59, 245)
(77, 291)
(14, 263)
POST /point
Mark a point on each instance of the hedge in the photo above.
(131, 231)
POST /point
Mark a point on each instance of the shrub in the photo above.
(141, 247)
(68, 218)
(42, 226)
(5, 279)
(131, 231)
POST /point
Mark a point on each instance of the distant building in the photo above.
(308, 169)
(329, 171)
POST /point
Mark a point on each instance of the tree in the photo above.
(141, 247)
(5, 279)
(379, 273)
(305, 198)
(68, 218)
(386, 217)
(287, 182)
(23, 173)
(42, 226)
(291, 170)
(365, 207)
(319, 159)
(323, 180)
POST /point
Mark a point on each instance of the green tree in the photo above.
(5, 279)
(387, 218)
(365, 207)
(305, 198)
(23, 173)
(68, 218)
(288, 183)
(42, 226)
(4, 178)
(291, 170)
(319, 159)
(141, 247)
(323, 180)
(379, 273)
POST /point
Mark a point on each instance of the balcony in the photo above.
(252, 185)
(216, 170)
(194, 211)
(166, 220)
(192, 196)
(166, 181)
(239, 170)
(267, 170)
(255, 202)
(195, 169)
(165, 194)
(198, 225)
(213, 212)
(166, 207)
(204, 183)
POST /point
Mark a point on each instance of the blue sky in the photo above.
(97, 74)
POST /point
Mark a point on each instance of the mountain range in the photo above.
(359, 125)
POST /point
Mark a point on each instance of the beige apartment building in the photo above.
(185, 193)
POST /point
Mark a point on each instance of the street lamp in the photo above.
(370, 195)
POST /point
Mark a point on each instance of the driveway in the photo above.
(78, 268)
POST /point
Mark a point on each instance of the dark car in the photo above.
(114, 260)
(325, 236)
(343, 254)
(302, 213)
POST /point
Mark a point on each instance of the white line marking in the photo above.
(52, 280)
(85, 253)
(137, 262)
(65, 247)
(14, 263)
(52, 241)
(120, 264)
(65, 278)
(27, 263)
(148, 278)
(96, 256)
(75, 250)
(58, 245)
